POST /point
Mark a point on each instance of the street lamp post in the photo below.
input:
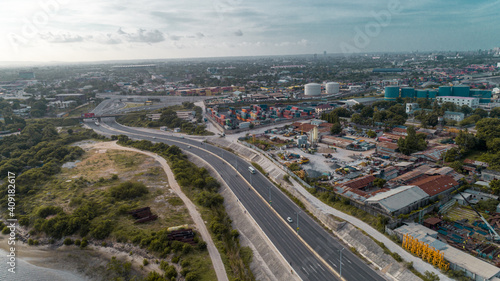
(270, 201)
(341, 262)
(297, 213)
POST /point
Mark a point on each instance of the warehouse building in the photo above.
(473, 267)
(400, 200)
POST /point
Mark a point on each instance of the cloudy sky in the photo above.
(94, 30)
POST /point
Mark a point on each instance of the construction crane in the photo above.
(494, 235)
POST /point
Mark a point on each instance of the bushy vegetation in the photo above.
(128, 190)
(169, 119)
(202, 189)
(413, 142)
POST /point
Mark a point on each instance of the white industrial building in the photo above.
(411, 107)
(457, 116)
(473, 267)
(312, 89)
(459, 101)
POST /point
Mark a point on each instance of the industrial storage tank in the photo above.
(312, 89)
(407, 92)
(432, 94)
(444, 91)
(421, 94)
(391, 93)
(461, 91)
(332, 88)
(485, 96)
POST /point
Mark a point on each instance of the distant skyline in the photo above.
(74, 31)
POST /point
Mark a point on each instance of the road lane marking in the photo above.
(257, 193)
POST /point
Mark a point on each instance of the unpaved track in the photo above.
(220, 270)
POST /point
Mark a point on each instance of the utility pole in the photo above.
(298, 220)
(270, 201)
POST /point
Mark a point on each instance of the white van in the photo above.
(251, 169)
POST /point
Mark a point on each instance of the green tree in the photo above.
(367, 112)
(465, 109)
(413, 142)
(357, 119)
(378, 182)
(466, 141)
(495, 112)
(336, 128)
(481, 112)
(371, 134)
(495, 186)
(488, 128)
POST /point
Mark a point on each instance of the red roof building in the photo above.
(435, 185)
(360, 183)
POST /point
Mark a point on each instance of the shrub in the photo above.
(30, 242)
(170, 272)
(202, 245)
(84, 242)
(186, 249)
(145, 262)
(68, 241)
(128, 190)
(48, 211)
(78, 242)
(5, 230)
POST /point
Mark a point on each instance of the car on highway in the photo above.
(189, 146)
(154, 137)
(289, 219)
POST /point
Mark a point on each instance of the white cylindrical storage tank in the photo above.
(312, 89)
(332, 88)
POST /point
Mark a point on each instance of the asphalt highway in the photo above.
(312, 252)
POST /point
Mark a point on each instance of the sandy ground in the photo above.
(87, 264)
(193, 211)
(90, 263)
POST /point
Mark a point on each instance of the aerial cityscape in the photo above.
(226, 140)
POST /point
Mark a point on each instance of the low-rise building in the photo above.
(400, 200)
(387, 148)
(324, 108)
(433, 154)
(435, 185)
(337, 141)
(457, 116)
(473, 267)
(361, 183)
(489, 175)
(459, 101)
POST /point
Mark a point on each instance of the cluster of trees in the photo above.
(169, 119)
(334, 118)
(37, 153)
(198, 183)
(488, 134)
(487, 140)
(413, 142)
